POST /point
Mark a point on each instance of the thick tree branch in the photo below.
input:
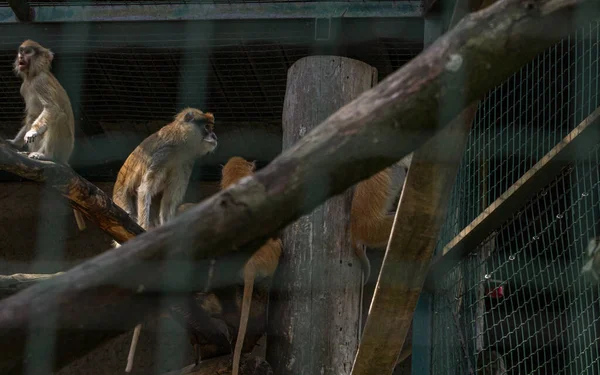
(378, 128)
(81, 194)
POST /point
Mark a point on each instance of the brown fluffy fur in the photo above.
(152, 182)
(370, 222)
(261, 264)
(49, 125)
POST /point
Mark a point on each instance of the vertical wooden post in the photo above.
(315, 301)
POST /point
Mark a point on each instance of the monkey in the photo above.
(152, 182)
(263, 263)
(370, 222)
(49, 124)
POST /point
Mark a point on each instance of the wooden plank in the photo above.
(308, 327)
(575, 145)
(419, 216)
(23, 11)
(216, 12)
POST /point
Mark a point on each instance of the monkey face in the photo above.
(209, 136)
(24, 56)
(206, 125)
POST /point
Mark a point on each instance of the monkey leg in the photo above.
(172, 197)
(147, 189)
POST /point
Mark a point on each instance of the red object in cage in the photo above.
(497, 292)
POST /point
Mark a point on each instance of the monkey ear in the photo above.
(50, 55)
(189, 117)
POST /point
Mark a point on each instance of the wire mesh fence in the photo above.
(517, 303)
(521, 294)
(125, 80)
(521, 120)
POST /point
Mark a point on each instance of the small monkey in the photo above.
(370, 222)
(49, 124)
(262, 263)
(152, 182)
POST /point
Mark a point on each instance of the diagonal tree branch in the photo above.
(81, 194)
(380, 127)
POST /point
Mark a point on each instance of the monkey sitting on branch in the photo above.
(370, 220)
(49, 124)
(153, 180)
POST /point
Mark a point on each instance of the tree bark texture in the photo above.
(91, 201)
(372, 132)
(315, 310)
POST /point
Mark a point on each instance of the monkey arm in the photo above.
(19, 139)
(46, 93)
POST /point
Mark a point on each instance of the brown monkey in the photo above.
(153, 180)
(49, 125)
(262, 263)
(370, 222)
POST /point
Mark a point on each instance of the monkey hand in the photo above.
(30, 136)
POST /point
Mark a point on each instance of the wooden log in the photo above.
(92, 202)
(249, 365)
(318, 253)
(375, 130)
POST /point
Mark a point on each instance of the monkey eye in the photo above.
(26, 50)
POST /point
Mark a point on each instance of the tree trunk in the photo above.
(316, 298)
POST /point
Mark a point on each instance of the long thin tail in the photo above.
(79, 219)
(361, 253)
(246, 301)
(134, 341)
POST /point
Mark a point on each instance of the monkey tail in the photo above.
(360, 252)
(79, 219)
(246, 301)
(134, 341)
